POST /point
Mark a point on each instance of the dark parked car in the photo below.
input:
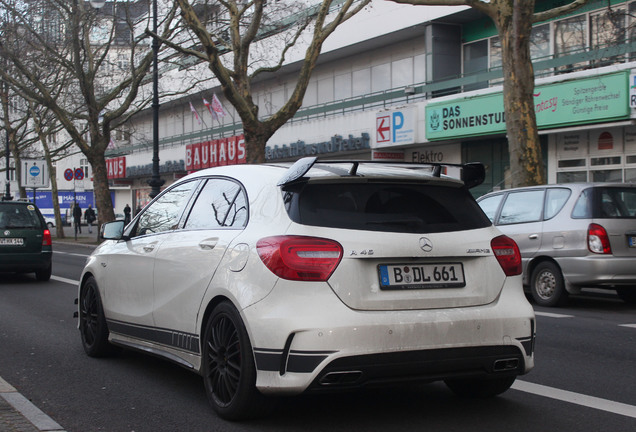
(571, 236)
(25, 240)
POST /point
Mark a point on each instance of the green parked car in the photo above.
(25, 240)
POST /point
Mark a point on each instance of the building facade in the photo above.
(420, 91)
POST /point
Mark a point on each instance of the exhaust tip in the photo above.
(341, 378)
(503, 365)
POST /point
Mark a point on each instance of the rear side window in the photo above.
(389, 207)
(555, 199)
(606, 203)
(220, 204)
(18, 216)
(617, 203)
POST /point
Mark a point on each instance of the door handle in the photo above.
(208, 244)
(533, 236)
(149, 248)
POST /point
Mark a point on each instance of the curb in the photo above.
(18, 414)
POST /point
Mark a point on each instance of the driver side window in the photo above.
(165, 212)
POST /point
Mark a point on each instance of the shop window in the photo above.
(608, 29)
(572, 177)
(570, 38)
(380, 77)
(630, 175)
(572, 163)
(610, 160)
(402, 72)
(540, 42)
(475, 61)
(361, 82)
(615, 175)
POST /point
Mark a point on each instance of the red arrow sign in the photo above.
(383, 124)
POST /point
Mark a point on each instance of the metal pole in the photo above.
(7, 194)
(155, 182)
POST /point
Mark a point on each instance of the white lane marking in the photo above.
(576, 398)
(71, 253)
(553, 315)
(65, 280)
(25, 407)
(627, 325)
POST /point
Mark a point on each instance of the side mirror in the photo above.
(112, 230)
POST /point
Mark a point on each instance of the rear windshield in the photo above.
(606, 203)
(385, 206)
(18, 216)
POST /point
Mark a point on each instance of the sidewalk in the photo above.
(18, 414)
(84, 237)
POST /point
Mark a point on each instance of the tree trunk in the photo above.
(515, 26)
(101, 191)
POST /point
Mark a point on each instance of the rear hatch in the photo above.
(615, 210)
(407, 244)
(21, 229)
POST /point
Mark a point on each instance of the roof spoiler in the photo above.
(472, 174)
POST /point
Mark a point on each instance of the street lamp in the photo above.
(155, 182)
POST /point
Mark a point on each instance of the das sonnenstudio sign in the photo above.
(589, 100)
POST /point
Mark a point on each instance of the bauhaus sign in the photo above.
(395, 127)
(116, 167)
(219, 152)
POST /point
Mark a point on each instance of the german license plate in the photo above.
(632, 241)
(421, 276)
(11, 241)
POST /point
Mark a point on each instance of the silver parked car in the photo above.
(571, 236)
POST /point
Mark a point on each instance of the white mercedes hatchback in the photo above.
(276, 280)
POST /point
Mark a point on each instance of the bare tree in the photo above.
(513, 20)
(86, 66)
(225, 34)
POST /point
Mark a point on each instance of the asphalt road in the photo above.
(583, 379)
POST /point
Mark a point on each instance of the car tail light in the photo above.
(598, 240)
(300, 258)
(507, 253)
(46, 238)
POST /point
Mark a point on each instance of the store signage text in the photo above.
(336, 144)
(219, 152)
(116, 167)
(427, 156)
(146, 170)
(581, 101)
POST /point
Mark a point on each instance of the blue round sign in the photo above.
(34, 170)
(68, 174)
(79, 174)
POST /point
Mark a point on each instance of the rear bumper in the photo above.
(25, 262)
(599, 271)
(307, 339)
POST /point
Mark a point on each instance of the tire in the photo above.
(228, 368)
(547, 286)
(92, 325)
(44, 274)
(480, 387)
(627, 294)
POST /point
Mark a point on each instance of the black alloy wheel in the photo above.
(229, 372)
(93, 326)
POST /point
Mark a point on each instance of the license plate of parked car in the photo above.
(418, 276)
(632, 241)
(12, 241)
